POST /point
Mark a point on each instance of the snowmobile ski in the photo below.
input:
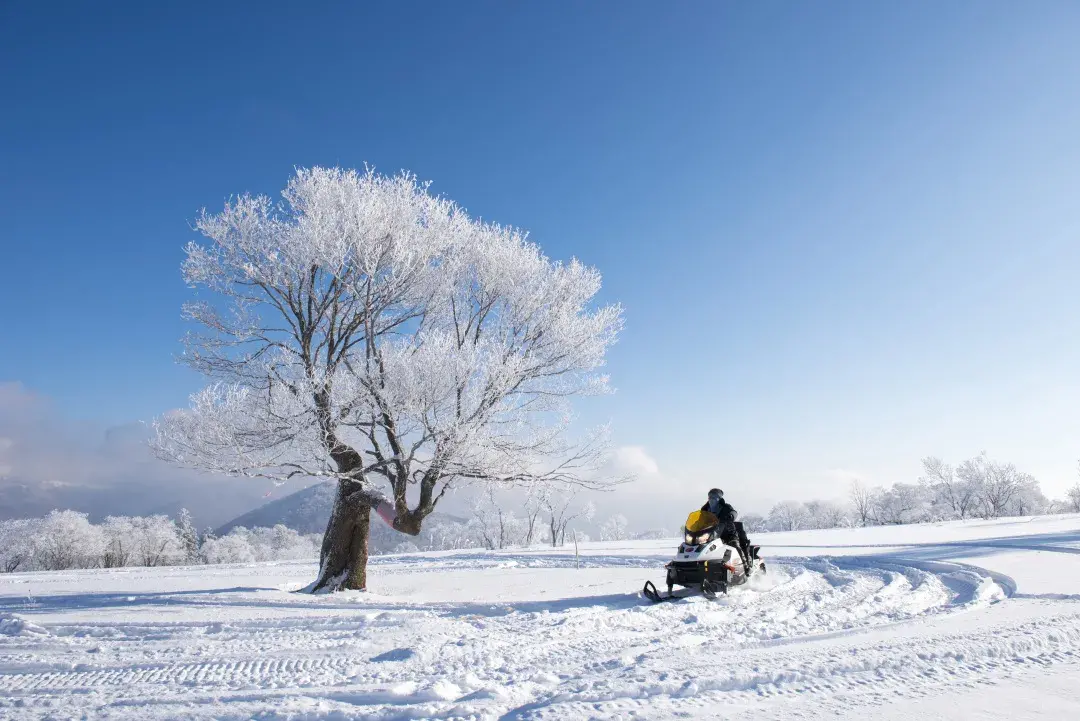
(650, 592)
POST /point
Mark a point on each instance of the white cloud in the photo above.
(47, 461)
(634, 460)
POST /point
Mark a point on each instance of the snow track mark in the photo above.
(834, 632)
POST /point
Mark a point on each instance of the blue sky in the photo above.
(846, 234)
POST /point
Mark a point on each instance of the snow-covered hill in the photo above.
(974, 620)
(305, 511)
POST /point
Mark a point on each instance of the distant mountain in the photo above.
(305, 511)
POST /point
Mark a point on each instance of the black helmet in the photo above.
(716, 493)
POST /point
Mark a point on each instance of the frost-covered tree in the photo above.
(902, 503)
(788, 516)
(17, 544)
(157, 541)
(998, 483)
(207, 535)
(1072, 499)
(863, 500)
(825, 514)
(367, 331)
(1029, 499)
(534, 506)
(561, 511)
(120, 541)
(754, 523)
(280, 543)
(67, 539)
(495, 525)
(959, 496)
(234, 547)
(614, 528)
(189, 537)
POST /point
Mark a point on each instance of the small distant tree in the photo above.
(863, 500)
(279, 543)
(561, 511)
(373, 334)
(902, 503)
(1029, 499)
(826, 514)
(614, 528)
(189, 537)
(754, 523)
(958, 495)
(534, 506)
(1072, 499)
(207, 535)
(788, 516)
(998, 483)
(234, 547)
(496, 526)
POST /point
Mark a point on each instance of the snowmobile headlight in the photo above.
(703, 538)
(689, 538)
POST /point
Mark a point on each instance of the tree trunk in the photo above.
(344, 556)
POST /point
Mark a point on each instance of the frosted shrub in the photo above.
(67, 539)
(158, 542)
(243, 545)
(119, 534)
(281, 543)
(788, 516)
(232, 548)
(17, 544)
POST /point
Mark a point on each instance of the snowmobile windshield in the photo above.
(700, 528)
(700, 521)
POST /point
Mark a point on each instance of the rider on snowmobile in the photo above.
(731, 531)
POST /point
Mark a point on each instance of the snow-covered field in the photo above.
(973, 620)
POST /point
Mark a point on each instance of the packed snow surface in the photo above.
(970, 620)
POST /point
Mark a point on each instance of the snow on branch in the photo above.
(366, 330)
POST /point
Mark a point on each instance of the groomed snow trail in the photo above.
(530, 635)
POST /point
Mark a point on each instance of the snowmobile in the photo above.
(704, 562)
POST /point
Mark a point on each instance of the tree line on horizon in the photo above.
(977, 488)
(66, 539)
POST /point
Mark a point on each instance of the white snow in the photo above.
(970, 620)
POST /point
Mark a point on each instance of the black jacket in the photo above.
(727, 513)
